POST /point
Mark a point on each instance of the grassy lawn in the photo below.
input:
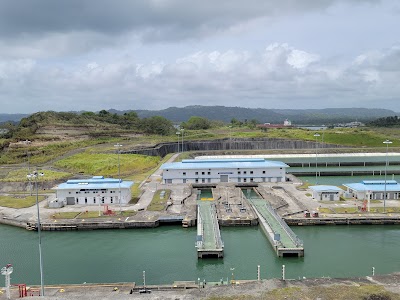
(66, 215)
(158, 204)
(325, 210)
(107, 164)
(19, 201)
(21, 175)
(95, 214)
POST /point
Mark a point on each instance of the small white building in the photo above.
(224, 170)
(326, 192)
(374, 189)
(94, 191)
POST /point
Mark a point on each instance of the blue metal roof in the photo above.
(96, 182)
(325, 188)
(374, 186)
(189, 164)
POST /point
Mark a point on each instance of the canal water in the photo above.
(168, 254)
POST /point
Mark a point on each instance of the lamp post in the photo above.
(35, 176)
(177, 134)
(230, 137)
(182, 130)
(387, 142)
(316, 157)
(118, 145)
(233, 278)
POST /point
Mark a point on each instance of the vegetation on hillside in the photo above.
(107, 164)
(392, 121)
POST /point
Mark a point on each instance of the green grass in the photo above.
(95, 214)
(158, 204)
(20, 175)
(65, 215)
(107, 164)
(19, 201)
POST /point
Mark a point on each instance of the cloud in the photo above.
(48, 27)
(280, 76)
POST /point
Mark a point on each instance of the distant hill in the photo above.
(297, 116)
(226, 114)
(12, 117)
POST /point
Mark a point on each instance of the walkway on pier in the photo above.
(209, 242)
(281, 237)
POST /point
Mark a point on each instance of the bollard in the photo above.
(258, 273)
(283, 272)
(373, 271)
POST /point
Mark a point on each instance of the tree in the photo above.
(156, 125)
(197, 123)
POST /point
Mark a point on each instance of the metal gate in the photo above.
(224, 178)
(70, 200)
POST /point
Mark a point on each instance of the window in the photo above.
(76, 192)
(203, 180)
(102, 199)
(251, 179)
(196, 180)
(244, 172)
(85, 200)
(77, 201)
(263, 172)
(251, 172)
(196, 173)
(244, 179)
(111, 199)
(184, 173)
(202, 173)
(208, 173)
(94, 200)
(238, 172)
(69, 192)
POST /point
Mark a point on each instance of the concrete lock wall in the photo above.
(163, 149)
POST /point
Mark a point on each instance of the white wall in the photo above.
(213, 175)
(94, 198)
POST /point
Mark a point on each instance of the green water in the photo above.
(168, 254)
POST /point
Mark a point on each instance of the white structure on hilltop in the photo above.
(326, 192)
(94, 191)
(287, 123)
(224, 170)
(374, 189)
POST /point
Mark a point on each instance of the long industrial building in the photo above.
(224, 170)
(94, 191)
(374, 189)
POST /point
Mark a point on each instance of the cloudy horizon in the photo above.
(128, 55)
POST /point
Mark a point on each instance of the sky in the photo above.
(72, 55)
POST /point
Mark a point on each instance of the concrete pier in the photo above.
(209, 242)
(282, 238)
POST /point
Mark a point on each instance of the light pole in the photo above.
(177, 134)
(118, 145)
(35, 175)
(230, 137)
(233, 278)
(316, 157)
(182, 130)
(387, 142)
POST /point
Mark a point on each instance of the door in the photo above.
(70, 200)
(224, 178)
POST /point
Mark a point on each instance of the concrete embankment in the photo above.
(343, 221)
(227, 144)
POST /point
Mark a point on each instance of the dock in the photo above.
(282, 238)
(209, 242)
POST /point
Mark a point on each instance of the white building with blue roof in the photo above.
(326, 192)
(224, 170)
(94, 191)
(374, 189)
